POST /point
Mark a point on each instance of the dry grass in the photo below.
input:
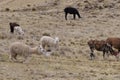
(45, 17)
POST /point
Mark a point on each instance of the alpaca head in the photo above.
(41, 50)
(56, 39)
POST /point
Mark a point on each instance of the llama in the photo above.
(73, 11)
(99, 46)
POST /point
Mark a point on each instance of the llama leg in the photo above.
(117, 57)
(74, 15)
(103, 54)
(66, 15)
(91, 54)
(78, 15)
(108, 54)
(11, 29)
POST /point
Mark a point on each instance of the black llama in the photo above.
(73, 11)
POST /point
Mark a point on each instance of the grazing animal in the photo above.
(115, 43)
(49, 42)
(21, 49)
(12, 25)
(99, 46)
(73, 11)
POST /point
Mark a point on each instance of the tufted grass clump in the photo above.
(3, 36)
(7, 9)
(46, 34)
(33, 9)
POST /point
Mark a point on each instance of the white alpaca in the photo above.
(49, 42)
(18, 30)
(21, 49)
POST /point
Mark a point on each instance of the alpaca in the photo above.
(50, 43)
(73, 11)
(21, 49)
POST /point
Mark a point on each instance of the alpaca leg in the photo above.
(27, 59)
(13, 57)
(43, 46)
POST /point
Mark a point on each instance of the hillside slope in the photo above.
(100, 20)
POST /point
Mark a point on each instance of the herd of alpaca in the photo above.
(49, 44)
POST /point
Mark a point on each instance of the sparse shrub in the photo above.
(3, 36)
(33, 9)
(20, 37)
(28, 5)
(100, 0)
(72, 42)
(55, 54)
(55, 4)
(7, 9)
(46, 34)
